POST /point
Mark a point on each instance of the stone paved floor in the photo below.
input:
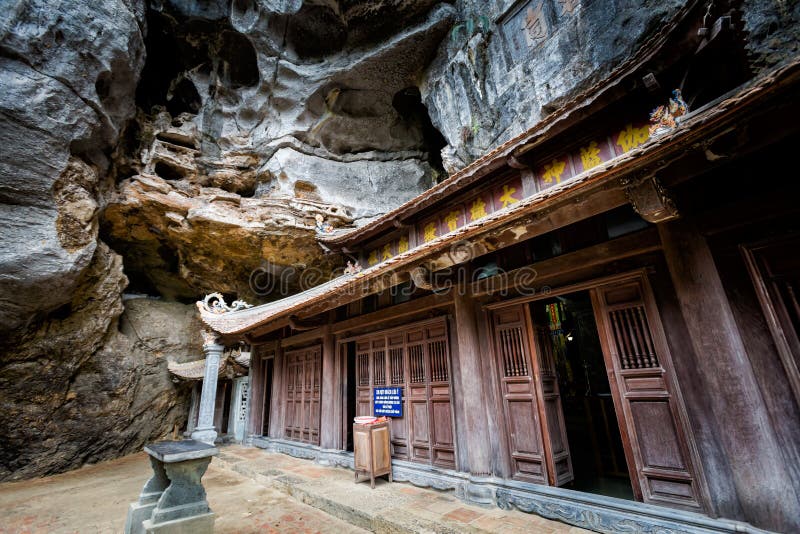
(251, 490)
(390, 507)
(95, 499)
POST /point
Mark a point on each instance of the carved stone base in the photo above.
(138, 513)
(173, 500)
(199, 524)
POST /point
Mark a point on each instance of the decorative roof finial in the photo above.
(215, 303)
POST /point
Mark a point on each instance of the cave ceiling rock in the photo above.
(328, 106)
(186, 239)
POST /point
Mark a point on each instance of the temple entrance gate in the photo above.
(647, 406)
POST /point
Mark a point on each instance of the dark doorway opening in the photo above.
(595, 442)
(268, 369)
(226, 406)
(351, 395)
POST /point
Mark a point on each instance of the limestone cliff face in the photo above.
(173, 147)
(507, 64)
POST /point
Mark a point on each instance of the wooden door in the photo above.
(774, 267)
(396, 366)
(303, 373)
(363, 381)
(534, 420)
(417, 358)
(440, 412)
(661, 459)
(551, 412)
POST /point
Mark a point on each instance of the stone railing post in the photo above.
(205, 430)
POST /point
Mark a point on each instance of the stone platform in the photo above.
(390, 507)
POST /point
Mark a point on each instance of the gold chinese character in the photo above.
(430, 232)
(387, 251)
(373, 257)
(477, 209)
(590, 156)
(632, 137)
(534, 25)
(452, 220)
(507, 199)
(403, 245)
(553, 171)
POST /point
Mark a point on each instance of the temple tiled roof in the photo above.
(566, 115)
(722, 113)
(194, 370)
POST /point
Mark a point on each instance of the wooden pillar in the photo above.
(766, 494)
(470, 386)
(330, 423)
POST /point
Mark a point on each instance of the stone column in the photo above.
(205, 431)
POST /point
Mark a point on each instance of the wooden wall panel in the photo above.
(416, 358)
(303, 394)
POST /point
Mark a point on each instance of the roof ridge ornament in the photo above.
(215, 303)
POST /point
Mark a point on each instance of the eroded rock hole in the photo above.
(315, 31)
(176, 138)
(408, 104)
(240, 62)
(168, 172)
(177, 45)
(184, 98)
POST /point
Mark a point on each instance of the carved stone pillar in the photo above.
(205, 430)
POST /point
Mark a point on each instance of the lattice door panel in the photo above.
(653, 422)
(303, 394)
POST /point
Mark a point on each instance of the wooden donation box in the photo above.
(371, 450)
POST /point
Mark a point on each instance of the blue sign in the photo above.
(388, 401)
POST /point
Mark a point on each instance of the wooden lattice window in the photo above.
(396, 363)
(632, 338)
(363, 369)
(379, 367)
(438, 356)
(416, 364)
(511, 348)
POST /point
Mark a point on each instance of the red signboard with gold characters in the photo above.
(551, 171)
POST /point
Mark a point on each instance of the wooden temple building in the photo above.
(597, 321)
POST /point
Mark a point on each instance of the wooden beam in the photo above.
(297, 324)
(305, 337)
(471, 380)
(330, 395)
(616, 249)
(650, 200)
(564, 213)
(400, 310)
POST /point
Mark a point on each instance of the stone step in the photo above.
(389, 508)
